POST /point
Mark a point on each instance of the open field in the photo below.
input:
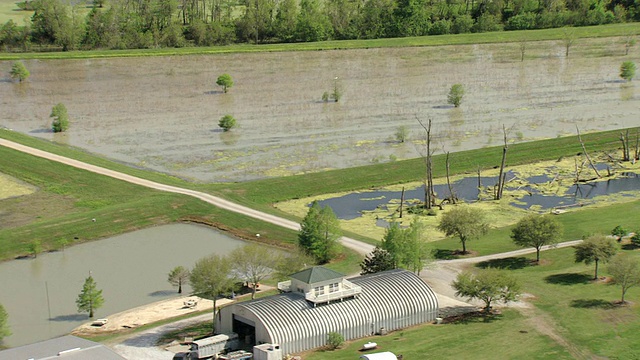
(161, 112)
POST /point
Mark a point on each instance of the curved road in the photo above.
(358, 246)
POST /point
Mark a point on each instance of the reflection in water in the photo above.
(131, 270)
(627, 90)
(352, 205)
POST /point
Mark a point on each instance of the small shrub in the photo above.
(432, 212)
(60, 117)
(334, 340)
(628, 70)
(227, 123)
(325, 96)
(519, 135)
(455, 95)
(402, 133)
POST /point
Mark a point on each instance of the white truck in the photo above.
(209, 347)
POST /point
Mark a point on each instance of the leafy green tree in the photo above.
(619, 232)
(286, 18)
(312, 24)
(4, 323)
(334, 340)
(227, 123)
(60, 117)
(536, 231)
(253, 263)
(595, 249)
(35, 247)
(19, 71)
(464, 222)
(378, 260)
(320, 233)
(211, 277)
(291, 263)
(455, 95)
(628, 70)
(179, 276)
(625, 271)
(487, 285)
(225, 81)
(90, 298)
(406, 247)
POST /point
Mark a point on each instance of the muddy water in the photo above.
(162, 112)
(39, 294)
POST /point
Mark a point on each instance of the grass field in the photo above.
(10, 11)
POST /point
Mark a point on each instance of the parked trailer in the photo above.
(209, 347)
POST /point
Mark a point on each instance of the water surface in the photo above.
(131, 269)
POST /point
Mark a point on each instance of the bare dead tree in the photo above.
(501, 176)
(401, 202)
(429, 194)
(635, 156)
(452, 195)
(625, 145)
(587, 154)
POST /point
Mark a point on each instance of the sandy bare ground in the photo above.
(162, 112)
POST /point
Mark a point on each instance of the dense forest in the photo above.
(125, 24)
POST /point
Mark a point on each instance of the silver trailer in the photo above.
(209, 347)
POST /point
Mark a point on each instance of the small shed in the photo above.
(387, 355)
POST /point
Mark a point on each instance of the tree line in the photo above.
(131, 24)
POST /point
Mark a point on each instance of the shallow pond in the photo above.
(131, 269)
(352, 205)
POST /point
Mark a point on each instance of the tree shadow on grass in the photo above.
(630, 246)
(444, 254)
(473, 317)
(592, 304)
(512, 263)
(568, 279)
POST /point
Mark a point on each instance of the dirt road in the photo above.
(353, 244)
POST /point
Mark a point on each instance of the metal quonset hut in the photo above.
(318, 301)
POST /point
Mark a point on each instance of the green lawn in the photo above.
(507, 336)
(459, 39)
(565, 301)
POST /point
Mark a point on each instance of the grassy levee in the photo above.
(71, 197)
(458, 39)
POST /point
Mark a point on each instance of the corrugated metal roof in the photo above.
(72, 348)
(316, 274)
(392, 299)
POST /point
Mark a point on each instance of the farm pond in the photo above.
(39, 293)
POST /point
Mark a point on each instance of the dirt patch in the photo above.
(160, 112)
(12, 187)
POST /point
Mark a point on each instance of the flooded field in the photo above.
(162, 112)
